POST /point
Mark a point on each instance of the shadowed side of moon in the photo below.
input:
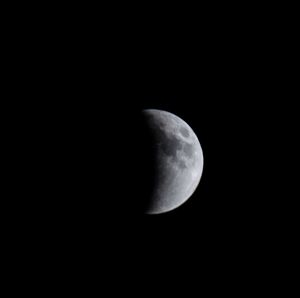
(176, 161)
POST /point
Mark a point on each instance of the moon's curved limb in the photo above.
(179, 160)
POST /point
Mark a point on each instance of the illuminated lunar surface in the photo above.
(179, 161)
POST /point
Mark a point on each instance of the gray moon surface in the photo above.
(179, 161)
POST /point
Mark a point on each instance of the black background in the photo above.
(85, 84)
(96, 169)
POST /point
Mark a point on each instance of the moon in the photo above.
(178, 161)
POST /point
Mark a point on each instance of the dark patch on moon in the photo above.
(155, 124)
(171, 145)
(150, 118)
(184, 131)
(182, 165)
(160, 133)
(188, 150)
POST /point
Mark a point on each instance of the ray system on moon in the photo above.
(178, 161)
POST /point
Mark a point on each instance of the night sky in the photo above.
(95, 111)
(103, 163)
(90, 171)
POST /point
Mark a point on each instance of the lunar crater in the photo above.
(184, 132)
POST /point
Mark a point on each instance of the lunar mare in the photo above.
(179, 160)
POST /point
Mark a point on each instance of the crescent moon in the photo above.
(178, 161)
